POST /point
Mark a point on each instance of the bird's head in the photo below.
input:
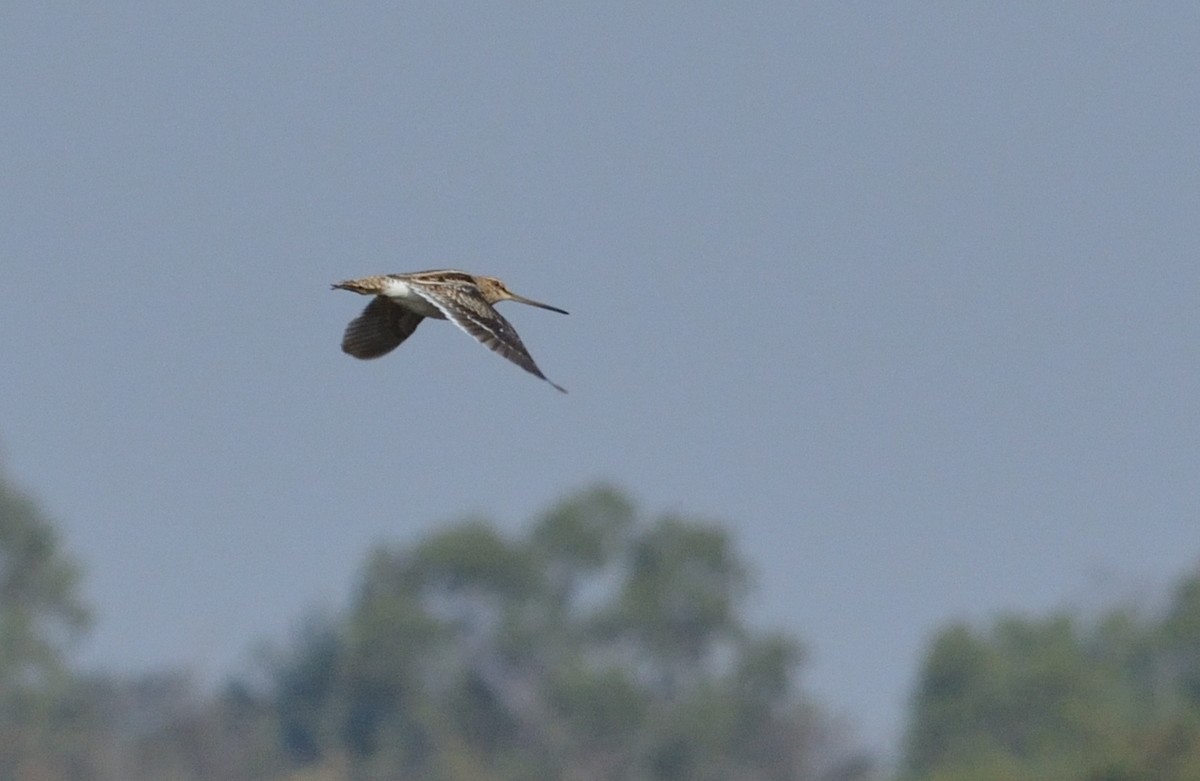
(494, 290)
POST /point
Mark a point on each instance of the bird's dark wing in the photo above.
(381, 327)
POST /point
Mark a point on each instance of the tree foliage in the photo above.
(598, 645)
(41, 614)
(1113, 699)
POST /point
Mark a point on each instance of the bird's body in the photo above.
(393, 286)
(401, 301)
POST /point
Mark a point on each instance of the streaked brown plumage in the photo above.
(403, 300)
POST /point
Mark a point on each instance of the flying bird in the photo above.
(401, 301)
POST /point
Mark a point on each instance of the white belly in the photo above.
(402, 293)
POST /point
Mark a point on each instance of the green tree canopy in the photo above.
(1114, 699)
(41, 614)
(597, 645)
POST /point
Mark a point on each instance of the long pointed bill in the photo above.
(539, 304)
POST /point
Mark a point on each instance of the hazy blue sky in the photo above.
(907, 294)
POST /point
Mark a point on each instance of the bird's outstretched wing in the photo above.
(481, 320)
(381, 327)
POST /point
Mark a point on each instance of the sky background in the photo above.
(906, 295)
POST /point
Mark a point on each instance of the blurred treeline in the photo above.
(596, 645)
(1112, 698)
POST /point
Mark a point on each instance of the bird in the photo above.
(402, 301)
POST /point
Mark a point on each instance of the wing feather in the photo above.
(381, 327)
(481, 320)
